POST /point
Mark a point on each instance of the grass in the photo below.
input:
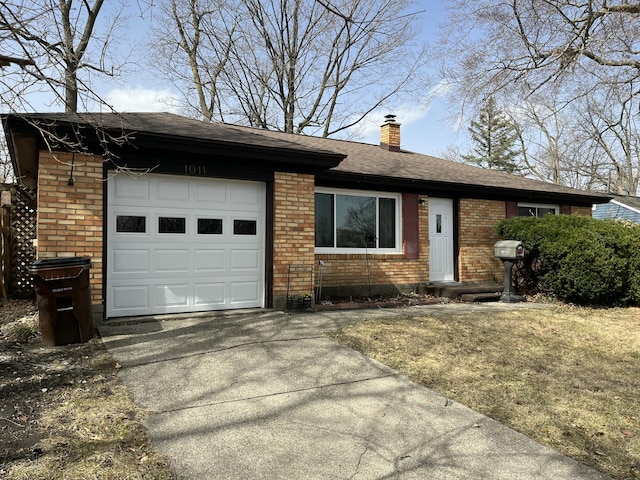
(90, 427)
(566, 376)
(64, 413)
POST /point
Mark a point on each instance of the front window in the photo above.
(536, 210)
(355, 222)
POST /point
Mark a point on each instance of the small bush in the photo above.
(578, 259)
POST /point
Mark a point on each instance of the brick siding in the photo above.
(293, 233)
(352, 274)
(477, 218)
(70, 223)
(582, 211)
(69, 218)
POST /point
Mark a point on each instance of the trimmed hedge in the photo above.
(578, 259)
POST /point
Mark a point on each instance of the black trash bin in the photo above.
(64, 299)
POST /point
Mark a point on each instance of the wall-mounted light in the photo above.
(73, 161)
(422, 202)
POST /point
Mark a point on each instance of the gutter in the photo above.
(454, 189)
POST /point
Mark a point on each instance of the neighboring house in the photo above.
(620, 207)
(234, 217)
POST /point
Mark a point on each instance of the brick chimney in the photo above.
(390, 134)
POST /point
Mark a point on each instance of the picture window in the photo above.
(356, 222)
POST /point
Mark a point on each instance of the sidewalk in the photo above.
(270, 396)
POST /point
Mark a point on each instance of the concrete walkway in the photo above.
(269, 396)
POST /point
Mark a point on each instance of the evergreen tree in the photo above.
(495, 137)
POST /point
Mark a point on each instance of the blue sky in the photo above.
(424, 126)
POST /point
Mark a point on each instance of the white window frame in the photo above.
(365, 193)
(556, 208)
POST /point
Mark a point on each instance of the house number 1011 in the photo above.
(195, 169)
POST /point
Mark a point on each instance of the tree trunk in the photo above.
(70, 90)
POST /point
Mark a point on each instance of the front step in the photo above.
(481, 297)
(470, 292)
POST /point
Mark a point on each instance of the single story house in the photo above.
(178, 215)
(620, 207)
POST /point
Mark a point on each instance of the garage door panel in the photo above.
(212, 192)
(130, 298)
(209, 294)
(244, 292)
(244, 195)
(244, 259)
(169, 189)
(209, 260)
(171, 295)
(185, 263)
(131, 188)
(130, 261)
(172, 261)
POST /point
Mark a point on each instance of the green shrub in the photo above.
(634, 263)
(578, 259)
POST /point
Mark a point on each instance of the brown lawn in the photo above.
(568, 377)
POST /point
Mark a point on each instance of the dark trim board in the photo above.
(335, 179)
(190, 167)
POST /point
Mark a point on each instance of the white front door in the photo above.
(440, 240)
(184, 244)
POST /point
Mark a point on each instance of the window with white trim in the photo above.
(536, 210)
(357, 221)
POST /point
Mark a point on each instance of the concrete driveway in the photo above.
(265, 395)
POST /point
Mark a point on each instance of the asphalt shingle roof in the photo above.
(633, 202)
(368, 159)
(360, 158)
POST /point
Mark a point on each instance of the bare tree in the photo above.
(192, 42)
(612, 124)
(57, 40)
(592, 143)
(546, 137)
(6, 170)
(300, 66)
(573, 54)
(502, 44)
(52, 52)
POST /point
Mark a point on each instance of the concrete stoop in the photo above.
(467, 292)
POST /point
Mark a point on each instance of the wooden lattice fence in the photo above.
(18, 227)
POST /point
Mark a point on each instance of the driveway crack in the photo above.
(276, 394)
(224, 349)
(357, 469)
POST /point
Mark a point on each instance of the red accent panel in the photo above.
(565, 209)
(511, 209)
(411, 246)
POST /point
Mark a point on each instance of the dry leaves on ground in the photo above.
(64, 413)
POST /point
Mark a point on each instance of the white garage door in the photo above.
(184, 244)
